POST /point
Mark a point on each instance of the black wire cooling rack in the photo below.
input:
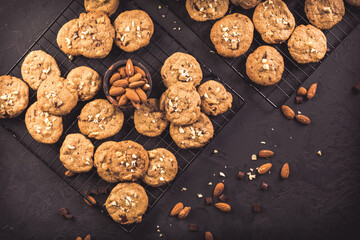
(152, 57)
(294, 74)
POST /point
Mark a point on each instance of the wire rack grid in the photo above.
(162, 45)
(295, 74)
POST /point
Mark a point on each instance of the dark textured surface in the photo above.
(318, 201)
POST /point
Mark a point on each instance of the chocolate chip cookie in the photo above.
(355, 3)
(195, 135)
(162, 169)
(103, 164)
(90, 35)
(37, 67)
(203, 10)
(215, 99)
(134, 30)
(307, 44)
(181, 103)
(57, 95)
(88, 82)
(76, 153)
(232, 35)
(246, 4)
(149, 120)
(108, 6)
(127, 203)
(42, 126)
(128, 160)
(100, 119)
(274, 21)
(324, 14)
(265, 66)
(181, 67)
(14, 96)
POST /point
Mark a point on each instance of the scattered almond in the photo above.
(129, 68)
(264, 168)
(288, 112)
(116, 91)
(88, 237)
(139, 70)
(146, 87)
(302, 91)
(311, 91)
(137, 84)
(208, 236)
(141, 94)
(92, 201)
(184, 212)
(123, 100)
(177, 209)
(121, 83)
(224, 207)
(114, 78)
(266, 153)
(285, 171)
(135, 78)
(78, 238)
(132, 95)
(219, 188)
(69, 174)
(303, 119)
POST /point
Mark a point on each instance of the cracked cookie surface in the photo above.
(203, 10)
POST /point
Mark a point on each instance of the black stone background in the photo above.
(320, 200)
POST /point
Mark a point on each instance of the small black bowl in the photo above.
(112, 69)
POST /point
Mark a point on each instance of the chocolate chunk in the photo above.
(356, 88)
(298, 99)
(223, 198)
(88, 237)
(68, 216)
(63, 211)
(193, 227)
(240, 175)
(256, 207)
(209, 201)
(264, 186)
(94, 191)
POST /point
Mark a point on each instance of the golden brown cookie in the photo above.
(107, 6)
(246, 4)
(102, 163)
(203, 10)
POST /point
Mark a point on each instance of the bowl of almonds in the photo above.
(127, 83)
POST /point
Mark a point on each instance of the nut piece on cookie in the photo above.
(246, 4)
(204, 10)
(107, 6)
(134, 30)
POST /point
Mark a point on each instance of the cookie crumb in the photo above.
(199, 195)
(262, 142)
(163, 15)
(210, 184)
(215, 151)
(183, 189)
(254, 157)
(159, 7)
(221, 174)
(319, 153)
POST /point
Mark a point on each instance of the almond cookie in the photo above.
(203, 10)
(102, 163)
(149, 120)
(215, 99)
(88, 82)
(181, 103)
(42, 126)
(355, 3)
(274, 21)
(127, 203)
(307, 44)
(57, 95)
(181, 67)
(246, 4)
(14, 96)
(162, 169)
(76, 153)
(90, 35)
(324, 14)
(107, 6)
(128, 161)
(134, 30)
(195, 135)
(232, 35)
(265, 66)
(100, 119)
(37, 67)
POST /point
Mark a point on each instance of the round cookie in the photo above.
(76, 153)
(14, 96)
(181, 103)
(42, 126)
(307, 44)
(100, 119)
(90, 35)
(274, 21)
(162, 169)
(215, 99)
(149, 120)
(232, 35)
(37, 67)
(107, 6)
(355, 3)
(203, 10)
(195, 135)
(265, 66)
(324, 14)
(101, 162)
(134, 30)
(127, 203)
(246, 4)
(128, 160)
(57, 95)
(88, 82)
(181, 67)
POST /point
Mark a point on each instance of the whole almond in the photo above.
(114, 78)
(92, 201)
(264, 168)
(224, 207)
(121, 83)
(285, 171)
(208, 236)
(132, 95)
(116, 91)
(141, 94)
(122, 72)
(88, 237)
(288, 112)
(302, 91)
(311, 91)
(136, 105)
(266, 153)
(303, 119)
(146, 87)
(129, 68)
(177, 209)
(135, 78)
(139, 70)
(123, 100)
(219, 188)
(184, 212)
(69, 174)
(78, 238)
(136, 84)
